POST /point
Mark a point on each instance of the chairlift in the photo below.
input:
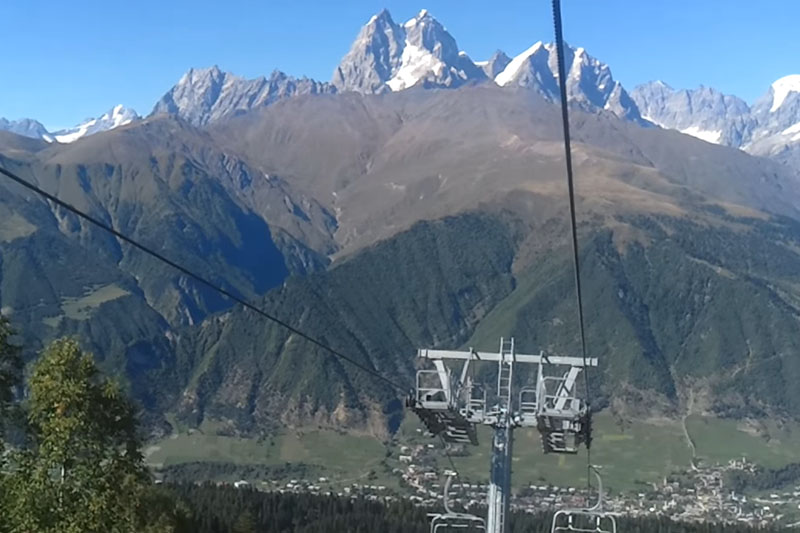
(447, 404)
(452, 405)
(563, 419)
(453, 521)
(590, 520)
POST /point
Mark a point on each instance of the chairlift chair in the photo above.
(453, 521)
(591, 520)
(563, 419)
(448, 405)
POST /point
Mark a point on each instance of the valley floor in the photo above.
(633, 454)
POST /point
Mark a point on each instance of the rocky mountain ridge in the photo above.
(113, 118)
(770, 127)
(206, 95)
(387, 56)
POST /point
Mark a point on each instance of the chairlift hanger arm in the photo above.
(519, 358)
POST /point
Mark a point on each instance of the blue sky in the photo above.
(64, 61)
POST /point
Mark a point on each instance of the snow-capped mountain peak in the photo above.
(771, 127)
(589, 81)
(704, 112)
(782, 88)
(512, 70)
(388, 56)
(120, 116)
(26, 127)
(117, 116)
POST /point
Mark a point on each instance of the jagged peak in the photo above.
(278, 74)
(499, 54)
(424, 14)
(782, 88)
(657, 83)
(513, 67)
(206, 74)
(213, 70)
(382, 16)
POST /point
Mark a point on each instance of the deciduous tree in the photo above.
(83, 471)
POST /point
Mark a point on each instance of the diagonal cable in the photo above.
(197, 277)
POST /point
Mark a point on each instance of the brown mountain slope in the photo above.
(384, 162)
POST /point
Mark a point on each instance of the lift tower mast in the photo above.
(451, 405)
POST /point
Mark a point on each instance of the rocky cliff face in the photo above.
(771, 127)
(205, 95)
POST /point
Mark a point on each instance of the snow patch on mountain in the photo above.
(794, 131)
(648, 118)
(705, 135)
(700, 112)
(416, 64)
(114, 118)
(589, 82)
(410, 23)
(509, 74)
(781, 88)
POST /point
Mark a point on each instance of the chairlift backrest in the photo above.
(558, 393)
(452, 521)
(591, 520)
(430, 389)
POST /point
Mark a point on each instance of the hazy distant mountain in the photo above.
(205, 95)
(703, 113)
(114, 118)
(387, 56)
(495, 64)
(777, 115)
(27, 128)
(771, 127)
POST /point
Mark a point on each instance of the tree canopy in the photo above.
(10, 371)
(81, 470)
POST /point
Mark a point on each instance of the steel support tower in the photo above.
(451, 405)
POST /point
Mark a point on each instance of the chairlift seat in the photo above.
(450, 520)
(447, 422)
(563, 419)
(446, 522)
(590, 520)
(583, 521)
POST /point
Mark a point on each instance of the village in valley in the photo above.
(698, 494)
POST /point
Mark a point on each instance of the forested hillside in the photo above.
(225, 509)
(433, 219)
(673, 306)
